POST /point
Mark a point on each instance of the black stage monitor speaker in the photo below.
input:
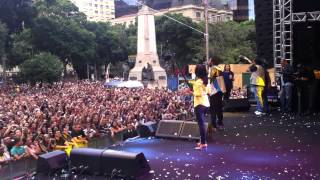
(147, 129)
(169, 128)
(190, 130)
(233, 105)
(87, 159)
(51, 162)
(124, 164)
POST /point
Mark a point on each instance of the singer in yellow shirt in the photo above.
(201, 102)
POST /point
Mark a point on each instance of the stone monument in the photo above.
(147, 57)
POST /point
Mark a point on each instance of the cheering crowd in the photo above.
(35, 120)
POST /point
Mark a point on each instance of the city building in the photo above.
(96, 10)
(195, 12)
(240, 9)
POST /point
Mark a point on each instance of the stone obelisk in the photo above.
(147, 50)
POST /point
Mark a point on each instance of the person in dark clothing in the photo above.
(266, 89)
(287, 78)
(228, 77)
(217, 88)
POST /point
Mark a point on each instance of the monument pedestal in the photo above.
(147, 56)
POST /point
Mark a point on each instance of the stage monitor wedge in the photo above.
(87, 160)
(169, 128)
(49, 163)
(190, 130)
(147, 129)
(124, 164)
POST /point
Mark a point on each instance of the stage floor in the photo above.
(276, 147)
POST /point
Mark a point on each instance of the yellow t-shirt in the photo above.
(200, 94)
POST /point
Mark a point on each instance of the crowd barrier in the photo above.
(27, 166)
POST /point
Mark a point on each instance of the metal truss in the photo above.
(282, 32)
(283, 20)
(306, 16)
(299, 17)
(314, 16)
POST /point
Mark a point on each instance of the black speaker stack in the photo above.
(94, 162)
(264, 30)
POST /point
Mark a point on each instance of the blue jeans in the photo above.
(286, 97)
(257, 91)
(200, 112)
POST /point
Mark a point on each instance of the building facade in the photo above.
(96, 10)
(195, 12)
(240, 9)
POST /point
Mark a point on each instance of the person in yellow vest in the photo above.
(201, 102)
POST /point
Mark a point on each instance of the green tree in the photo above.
(21, 48)
(43, 67)
(3, 38)
(131, 33)
(184, 43)
(230, 39)
(66, 39)
(16, 14)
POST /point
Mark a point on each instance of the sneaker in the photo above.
(258, 113)
(201, 146)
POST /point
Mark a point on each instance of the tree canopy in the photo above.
(43, 67)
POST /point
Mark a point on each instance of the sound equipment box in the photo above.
(51, 162)
(190, 130)
(87, 158)
(147, 129)
(169, 128)
(110, 163)
(125, 164)
(238, 105)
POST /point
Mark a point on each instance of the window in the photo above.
(101, 6)
(112, 13)
(213, 18)
(228, 18)
(96, 5)
(107, 6)
(218, 18)
(96, 12)
(198, 14)
(101, 12)
(222, 18)
(90, 4)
